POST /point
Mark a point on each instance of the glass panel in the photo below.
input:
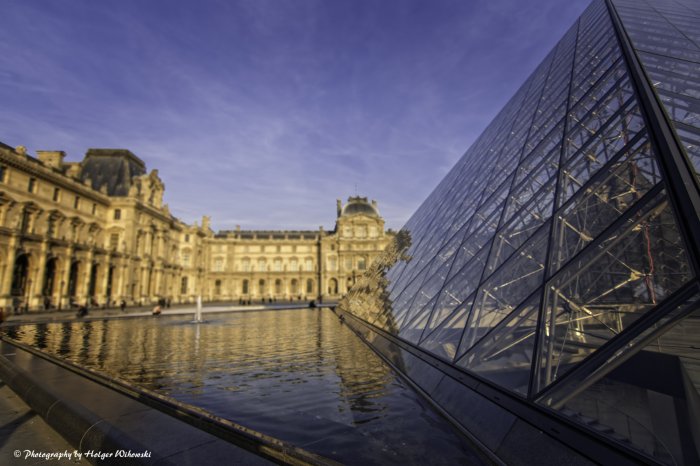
(647, 394)
(610, 286)
(459, 287)
(618, 186)
(444, 340)
(413, 330)
(507, 288)
(667, 43)
(599, 149)
(426, 293)
(504, 356)
(522, 226)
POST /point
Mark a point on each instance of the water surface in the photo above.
(298, 375)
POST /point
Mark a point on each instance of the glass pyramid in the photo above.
(558, 260)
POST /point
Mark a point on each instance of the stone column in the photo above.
(7, 275)
(104, 278)
(63, 300)
(39, 276)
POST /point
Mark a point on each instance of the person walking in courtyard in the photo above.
(122, 305)
(82, 311)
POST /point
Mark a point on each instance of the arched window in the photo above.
(294, 264)
(49, 277)
(183, 286)
(261, 287)
(92, 284)
(309, 264)
(333, 286)
(309, 286)
(278, 287)
(217, 287)
(361, 263)
(294, 286)
(19, 275)
(245, 264)
(244, 287)
(73, 278)
(261, 265)
(278, 265)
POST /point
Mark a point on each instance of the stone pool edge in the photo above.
(99, 416)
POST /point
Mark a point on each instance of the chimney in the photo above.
(339, 206)
(51, 158)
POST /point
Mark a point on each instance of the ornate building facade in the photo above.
(97, 231)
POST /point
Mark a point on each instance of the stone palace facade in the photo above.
(97, 232)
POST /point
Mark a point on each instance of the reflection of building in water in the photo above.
(557, 263)
(298, 375)
(251, 353)
(98, 231)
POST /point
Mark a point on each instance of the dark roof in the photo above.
(271, 234)
(113, 168)
(359, 205)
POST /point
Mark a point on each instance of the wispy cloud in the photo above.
(262, 113)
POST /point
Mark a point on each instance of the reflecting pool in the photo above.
(298, 375)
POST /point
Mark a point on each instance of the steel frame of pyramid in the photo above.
(550, 282)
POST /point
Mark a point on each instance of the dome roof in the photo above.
(359, 205)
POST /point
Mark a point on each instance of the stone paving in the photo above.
(24, 431)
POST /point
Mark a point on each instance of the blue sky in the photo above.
(261, 113)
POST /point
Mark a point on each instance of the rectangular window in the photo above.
(56, 194)
(114, 241)
(187, 238)
(348, 263)
(24, 226)
(117, 214)
(94, 209)
(76, 203)
(32, 185)
(3, 170)
(218, 264)
(361, 263)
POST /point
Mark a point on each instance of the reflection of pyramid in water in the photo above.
(563, 246)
